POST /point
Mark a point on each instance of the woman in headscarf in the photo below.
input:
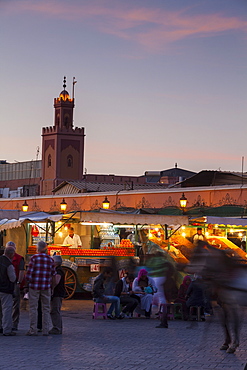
(144, 287)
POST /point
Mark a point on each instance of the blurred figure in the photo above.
(182, 295)
(57, 297)
(170, 286)
(157, 266)
(195, 294)
(243, 245)
(226, 276)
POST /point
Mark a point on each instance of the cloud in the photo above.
(152, 28)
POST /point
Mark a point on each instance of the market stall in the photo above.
(103, 235)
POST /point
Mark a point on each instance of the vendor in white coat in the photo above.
(144, 287)
(72, 239)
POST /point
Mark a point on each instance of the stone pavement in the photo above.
(120, 344)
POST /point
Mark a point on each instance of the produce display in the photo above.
(176, 254)
(223, 243)
(179, 248)
(183, 244)
(172, 249)
(125, 243)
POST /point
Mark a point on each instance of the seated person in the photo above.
(99, 295)
(182, 294)
(195, 295)
(144, 287)
(127, 299)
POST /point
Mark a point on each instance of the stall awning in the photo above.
(226, 221)
(135, 219)
(9, 214)
(32, 217)
(10, 224)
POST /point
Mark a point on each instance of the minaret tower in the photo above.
(62, 145)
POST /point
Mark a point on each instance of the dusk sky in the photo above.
(159, 82)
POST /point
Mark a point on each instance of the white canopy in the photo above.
(114, 217)
(226, 220)
(9, 214)
(32, 217)
(135, 219)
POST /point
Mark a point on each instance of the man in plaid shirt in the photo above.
(41, 279)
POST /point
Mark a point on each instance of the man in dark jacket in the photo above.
(7, 284)
(19, 265)
(127, 298)
(99, 295)
(57, 297)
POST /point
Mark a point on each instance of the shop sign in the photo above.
(95, 268)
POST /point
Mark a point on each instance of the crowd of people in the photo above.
(140, 294)
(43, 281)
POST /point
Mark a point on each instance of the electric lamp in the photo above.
(25, 206)
(106, 204)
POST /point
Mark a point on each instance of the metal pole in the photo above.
(73, 88)
(242, 171)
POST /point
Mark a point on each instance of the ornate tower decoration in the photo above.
(62, 145)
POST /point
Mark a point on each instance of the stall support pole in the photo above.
(27, 229)
(46, 231)
(92, 234)
(136, 234)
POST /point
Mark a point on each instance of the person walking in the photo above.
(57, 297)
(19, 265)
(40, 278)
(7, 285)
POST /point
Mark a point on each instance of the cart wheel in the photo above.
(69, 282)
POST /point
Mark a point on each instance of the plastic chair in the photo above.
(178, 311)
(197, 313)
(99, 309)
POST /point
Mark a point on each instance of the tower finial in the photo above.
(73, 89)
(64, 82)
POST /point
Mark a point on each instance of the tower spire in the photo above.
(73, 89)
(64, 82)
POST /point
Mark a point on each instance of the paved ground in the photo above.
(122, 344)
